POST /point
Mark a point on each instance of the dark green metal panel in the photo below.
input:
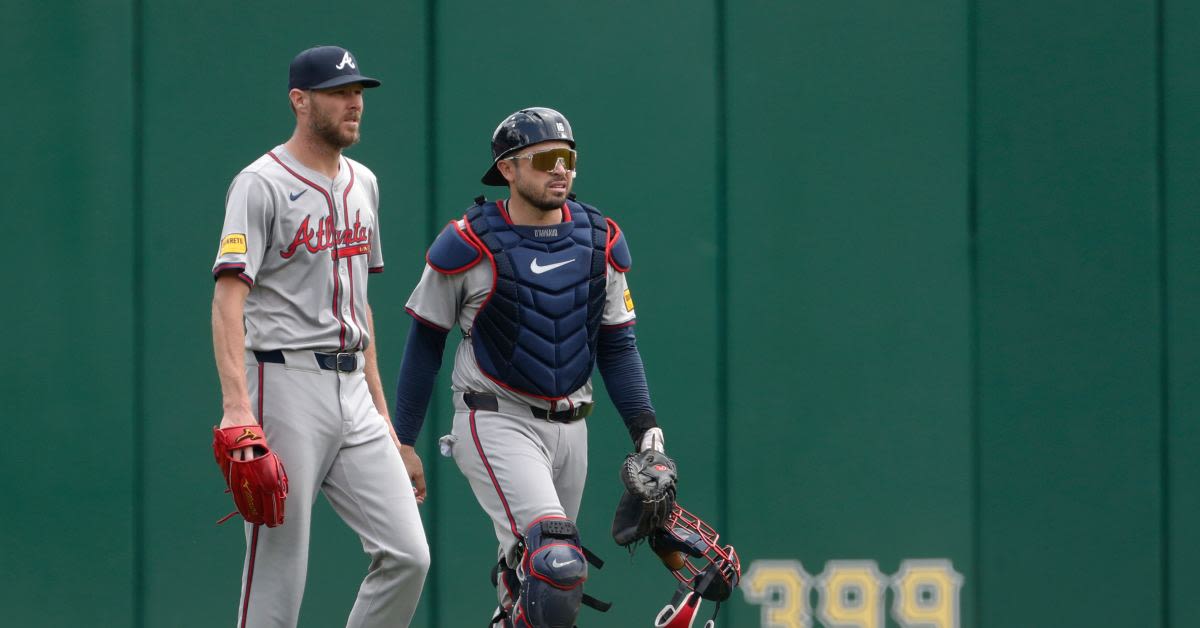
(216, 99)
(1181, 23)
(849, 289)
(641, 102)
(848, 260)
(1069, 318)
(68, 389)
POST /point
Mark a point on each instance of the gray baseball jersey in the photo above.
(284, 223)
(305, 245)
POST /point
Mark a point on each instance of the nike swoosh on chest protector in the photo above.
(539, 269)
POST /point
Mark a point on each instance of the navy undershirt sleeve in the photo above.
(418, 372)
(624, 375)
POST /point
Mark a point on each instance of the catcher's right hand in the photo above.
(416, 471)
(258, 483)
(649, 478)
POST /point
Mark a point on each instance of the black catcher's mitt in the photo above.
(649, 479)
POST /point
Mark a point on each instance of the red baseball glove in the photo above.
(259, 485)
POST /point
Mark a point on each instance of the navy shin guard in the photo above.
(552, 571)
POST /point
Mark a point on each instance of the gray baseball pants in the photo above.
(330, 437)
(520, 468)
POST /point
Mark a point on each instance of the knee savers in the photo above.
(552, 571)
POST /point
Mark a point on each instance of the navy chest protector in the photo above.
(537, 331)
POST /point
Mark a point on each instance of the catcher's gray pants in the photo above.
(331, 438)
(520, 468)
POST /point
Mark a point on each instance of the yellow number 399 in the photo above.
(851, 594)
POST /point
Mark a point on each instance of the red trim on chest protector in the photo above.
(466, 238)
(504, 212)
(614, 234)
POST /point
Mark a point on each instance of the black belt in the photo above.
(341, 362)
(489, 402)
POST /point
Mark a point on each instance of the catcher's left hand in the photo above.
(652, 439)
(649, 478)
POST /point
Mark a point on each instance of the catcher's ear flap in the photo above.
(713, 585)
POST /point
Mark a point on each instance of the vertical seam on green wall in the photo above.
(1164, 319)
(973, 290)
(137, 441)
(722, 271)
(431, 212)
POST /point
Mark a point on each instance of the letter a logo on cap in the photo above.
(347, 60)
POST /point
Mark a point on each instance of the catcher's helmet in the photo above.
(524, 128)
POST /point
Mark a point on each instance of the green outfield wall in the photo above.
(915, 281)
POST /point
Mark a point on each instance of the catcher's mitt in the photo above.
(259, 485)
(649, 479)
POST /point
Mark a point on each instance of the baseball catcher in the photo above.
(536, 284)
(258, 482)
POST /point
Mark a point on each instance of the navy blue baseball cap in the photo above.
(324, 67)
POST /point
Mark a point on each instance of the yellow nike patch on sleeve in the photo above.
(236, 243)
(628, 301)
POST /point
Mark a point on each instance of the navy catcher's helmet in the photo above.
(524, 128)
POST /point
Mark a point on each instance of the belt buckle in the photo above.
(563, 416)
(351, 362)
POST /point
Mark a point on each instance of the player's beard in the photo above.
(540, 195)
(329, 130)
